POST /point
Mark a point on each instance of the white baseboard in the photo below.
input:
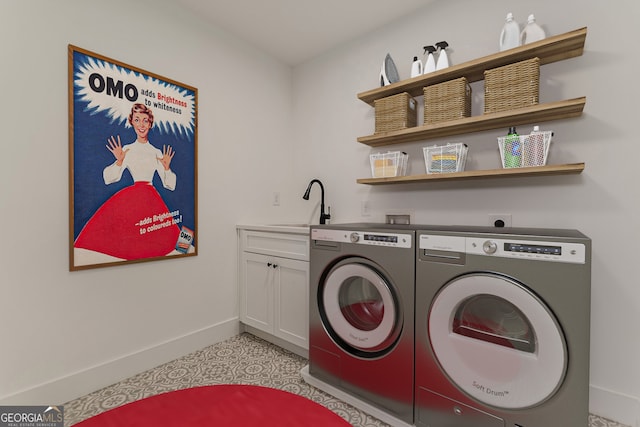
(614, 406)
(64, 389)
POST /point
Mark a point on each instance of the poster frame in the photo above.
(93, 122)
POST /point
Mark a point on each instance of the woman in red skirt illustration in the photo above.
(135, 222)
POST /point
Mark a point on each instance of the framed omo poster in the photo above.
(132, 164)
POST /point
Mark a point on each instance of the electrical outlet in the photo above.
(364, 208)
(500, 220)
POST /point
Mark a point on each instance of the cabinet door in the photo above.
(257, 281)
(292, 301)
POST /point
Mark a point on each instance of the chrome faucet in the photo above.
(323, 216)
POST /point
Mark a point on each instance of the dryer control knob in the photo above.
(489, 247)
(354, 237)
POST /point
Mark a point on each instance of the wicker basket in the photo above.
(445, 101)
(396, 112)
(512, 86)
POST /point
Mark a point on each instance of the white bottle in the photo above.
(532, 31)
(534, 149)
(430, 62)
(443, 59)
(510, 35)
(416, 67)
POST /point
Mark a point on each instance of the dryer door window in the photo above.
(495, 320)
(497, 341)
(360, 308)
(361, 303)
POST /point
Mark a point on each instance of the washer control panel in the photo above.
(507, 248)
(375, 238)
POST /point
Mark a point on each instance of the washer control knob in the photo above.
(489, 247)
(354, 237)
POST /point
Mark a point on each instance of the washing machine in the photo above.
(361, 324)
(502, 327)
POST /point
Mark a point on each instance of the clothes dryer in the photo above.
(361, 337)
(502, 327)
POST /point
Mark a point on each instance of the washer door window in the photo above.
(360, 309)
(497, 341)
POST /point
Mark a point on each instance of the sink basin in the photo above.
(291, 224)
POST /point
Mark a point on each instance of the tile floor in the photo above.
(243, 359)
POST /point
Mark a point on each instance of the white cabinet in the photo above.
(274, 284)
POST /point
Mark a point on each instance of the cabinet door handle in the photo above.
(275, 265)
(269, 264)
(272, 265)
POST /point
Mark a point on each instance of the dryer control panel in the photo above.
(396, 240)
(507, 248)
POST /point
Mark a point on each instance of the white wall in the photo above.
(64, 334)
(263, 128)
(602, 202)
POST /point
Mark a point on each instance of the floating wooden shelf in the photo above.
(572, 168)
(550, 49)
(534, 114)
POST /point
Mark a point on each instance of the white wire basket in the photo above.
(524, 150)
(445, 158)
(389, 164)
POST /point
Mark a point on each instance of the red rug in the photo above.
(220, 406)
